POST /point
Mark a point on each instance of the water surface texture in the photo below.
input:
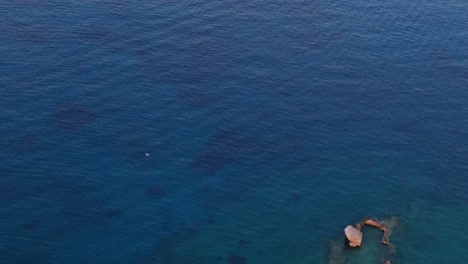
(192, 132)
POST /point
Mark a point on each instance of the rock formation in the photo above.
(354, 236)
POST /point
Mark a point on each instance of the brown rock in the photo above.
(354, 236)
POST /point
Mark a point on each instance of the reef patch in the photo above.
(73, 117)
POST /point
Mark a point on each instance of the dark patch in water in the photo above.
(407, 127)
(195, 96)
(101, 36)
(450, 70)
(21, 183)
(225, 147)
(185, 75)
(31, 143)
(243, 242)
(166, 251)
(236, 259)
(448, 64)
(231, 191)
(156, 192)
(285, 92)
(30, 33)
(295, 198)
(12, 146)
(74, 117)
(31, 225)
(210, 162)
(80, 207)
(113, 213)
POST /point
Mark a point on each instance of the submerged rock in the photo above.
(354, 234)
(335, 255)
(74, 117)
(236, 259)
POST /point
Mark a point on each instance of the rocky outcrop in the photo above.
(376, 223)
(354, 235)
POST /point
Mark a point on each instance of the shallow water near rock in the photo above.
(232, 131)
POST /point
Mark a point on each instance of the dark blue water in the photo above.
(232, 131)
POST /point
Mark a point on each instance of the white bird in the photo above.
(147, 154)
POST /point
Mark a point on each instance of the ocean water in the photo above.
(235, 132)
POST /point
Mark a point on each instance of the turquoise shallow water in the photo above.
(232, 131)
